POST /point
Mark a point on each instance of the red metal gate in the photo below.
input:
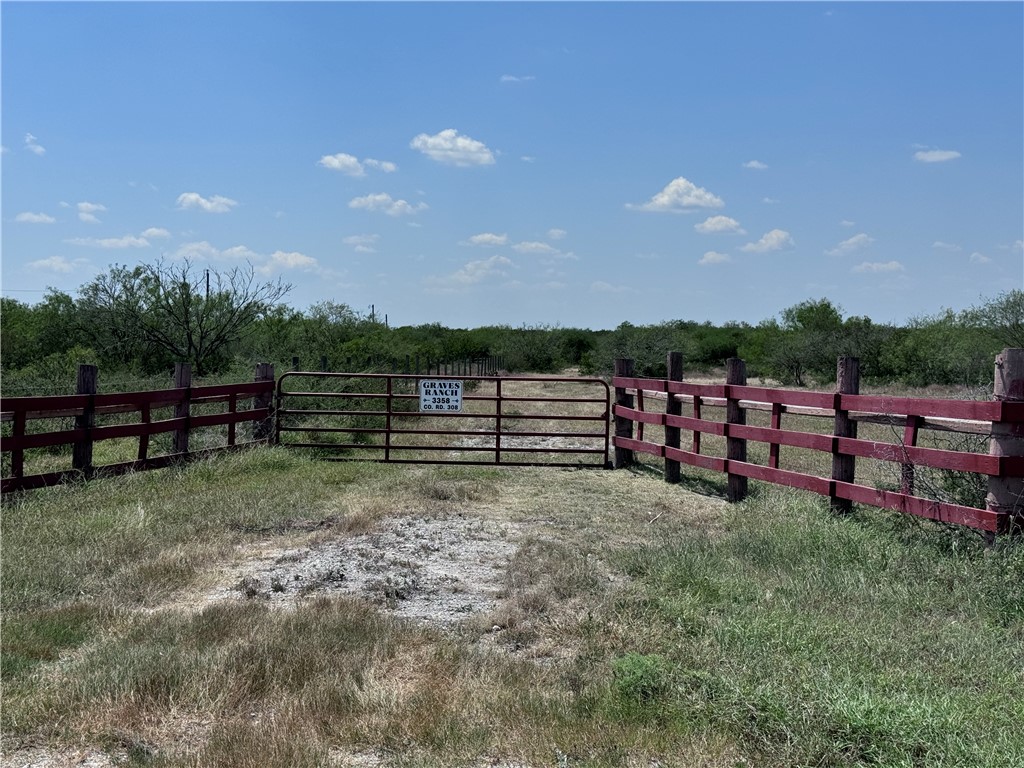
(507, 420)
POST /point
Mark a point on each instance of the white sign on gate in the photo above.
(440, 395)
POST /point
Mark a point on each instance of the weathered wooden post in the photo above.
(735, 447)
(81, 457)
(263, 429)
(182, 380)
(1005, 492)
(623, 425)
(673, 407)
(843, 465)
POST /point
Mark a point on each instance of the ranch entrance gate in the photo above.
(547, 421)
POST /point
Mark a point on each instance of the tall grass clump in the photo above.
(817, 640)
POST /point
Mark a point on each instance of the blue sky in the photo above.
(573, 164)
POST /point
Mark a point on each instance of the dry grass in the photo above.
(629, 623)
(113, 644)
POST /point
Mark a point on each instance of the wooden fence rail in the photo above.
(1002, 418)
(17, 413)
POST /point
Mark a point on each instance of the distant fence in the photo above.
(998, 422)
(36, 426)
(411, 364)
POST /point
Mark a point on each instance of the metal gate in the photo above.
(416, 419)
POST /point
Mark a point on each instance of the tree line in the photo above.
(139, 321)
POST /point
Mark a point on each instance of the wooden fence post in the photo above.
(623, 426)
(264, 428)
(182, 380)
(735, 447)
(673, 407)
(843, 465)
(81, 457)
(1006, 494)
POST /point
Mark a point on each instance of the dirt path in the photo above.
(462, 558)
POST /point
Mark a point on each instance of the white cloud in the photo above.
(941, 246)
(203, 250)
(381, 165)
(32, 145)
(1018, 246)
(535, 247)
(87, 212)
(362, 243)
(34, 218)
(347, 164)
(215, 204)
(350, 165)
(757, 165)
(979, 258)
(156, 232)
(451, 148)
(279, 260)
(713, 257)
(474, 272)
(488, 239)
(878, 266)
(383, 202)
(3, 150)
(128, 241)
(678, 196)
(528, 159)
(556, 234)
(719, 224)
(775, 240)
(239, 252)
(854, 243)
(517, 78)
(846, 223)
(936, 155)
(196, 251)
(287, 260)
(54, 264)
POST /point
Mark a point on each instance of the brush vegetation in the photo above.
(135, 323)
(639, 622)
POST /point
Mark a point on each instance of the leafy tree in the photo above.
(33, 332)
(17, 333)
(1002, 317)
(940, 349)
(164, 312)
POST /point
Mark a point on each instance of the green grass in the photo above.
(821, 641)
(640, 622)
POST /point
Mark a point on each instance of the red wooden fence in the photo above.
(1004, 416)
(17, 413)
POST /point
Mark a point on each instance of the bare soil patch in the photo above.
(434, 570)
